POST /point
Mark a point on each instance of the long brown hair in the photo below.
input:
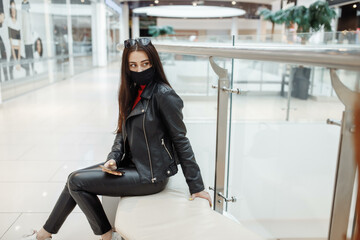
(127, 91)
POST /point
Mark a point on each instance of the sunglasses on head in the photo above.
(141, 41)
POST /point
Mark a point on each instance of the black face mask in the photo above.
(144, 77)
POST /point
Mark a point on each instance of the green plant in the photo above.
(274, 17)
(298, 15)
(156, 31)
(318, 15)
(321, 15)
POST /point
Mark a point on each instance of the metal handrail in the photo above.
(342, 57)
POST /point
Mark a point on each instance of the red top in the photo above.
(139, 94)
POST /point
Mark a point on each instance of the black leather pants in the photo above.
(84, 185)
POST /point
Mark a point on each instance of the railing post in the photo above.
(346, 167)
(221, 135)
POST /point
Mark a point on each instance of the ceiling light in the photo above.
(156, 1)
(194, 4)
(189, 11)
(233, 2)
(354, 6)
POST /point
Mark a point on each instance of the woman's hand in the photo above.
(111, 164)
(203, 194)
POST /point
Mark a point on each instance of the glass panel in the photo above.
(283, 155)
(113, 35)
(61, 49)
(82, 43)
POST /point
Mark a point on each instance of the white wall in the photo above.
(306, 3)
(275, 6)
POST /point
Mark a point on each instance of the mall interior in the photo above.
(268, 87)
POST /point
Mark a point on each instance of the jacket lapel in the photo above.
(140, 106)
(146, 94)
(138, 109)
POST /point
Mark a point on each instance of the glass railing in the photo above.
(282, 155)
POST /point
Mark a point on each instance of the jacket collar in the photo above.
(148, 90)
(146, 94)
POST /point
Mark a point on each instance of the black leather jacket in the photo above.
(154, 139)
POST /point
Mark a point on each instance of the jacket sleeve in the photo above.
(117, 149)
(170, 107)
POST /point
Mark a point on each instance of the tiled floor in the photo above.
(48, 133)
(45, 135)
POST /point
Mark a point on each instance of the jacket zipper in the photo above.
(147, 145)
(123, 156)
(163, 143)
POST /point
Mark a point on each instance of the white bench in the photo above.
(170, 215)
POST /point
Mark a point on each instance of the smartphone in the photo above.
(114, 172)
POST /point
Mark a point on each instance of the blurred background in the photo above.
(59, 80)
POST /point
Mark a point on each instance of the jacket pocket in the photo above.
(166, 149)
(171, 170)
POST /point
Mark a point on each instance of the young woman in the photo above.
(15, 41)
(38, 52)
(150, 141)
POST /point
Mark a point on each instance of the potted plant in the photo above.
(312, 19)
(156, 31)
(274, 17)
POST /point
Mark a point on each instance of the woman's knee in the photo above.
(73, 182)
